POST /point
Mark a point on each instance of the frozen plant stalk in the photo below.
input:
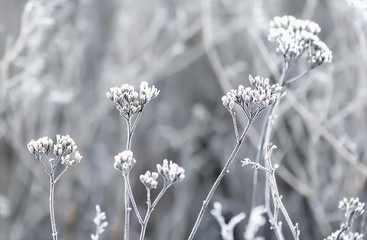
(252, 101)
(129, 103)
(352, 208)
(64, 151)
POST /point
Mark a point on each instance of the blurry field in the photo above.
(60, 57)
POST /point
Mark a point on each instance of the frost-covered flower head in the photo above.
(63, 149)
(124, 161)
(149, 179)
(353, 208)
(295, 36)
(128, 100)
(252, 100)
(171, 172)
(41, 145)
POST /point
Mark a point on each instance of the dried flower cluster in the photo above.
(149, 179)
(353, 208)
(252, 100)
(62, 149)
(129, 101)
(171, 172)
(296, 36)
(42, 145)
(124, 161)
(101, 223)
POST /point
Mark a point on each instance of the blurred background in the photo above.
(60, 57)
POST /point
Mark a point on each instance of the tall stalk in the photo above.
(219, 179)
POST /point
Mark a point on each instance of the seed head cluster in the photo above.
(149, 179)
(171, 172)
(62, 149)
(130, 101)
(124, 161)
(252, 99)
(296, 36)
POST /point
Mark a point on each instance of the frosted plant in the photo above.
(101, 223)
(271, 183)
(124, 161)
(226, 228)
(252, 101)
(171, 173)
(65, 153)
(256, 221)
(296, 36)
(129, 102)
(352, 208)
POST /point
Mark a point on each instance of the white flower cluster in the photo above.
(101, 223)
(124, 161)
(42, 145)
(260, 97)
(63, 149)
(338, 235)
(353, 208)
(171, 172)
(129, 101)
(149, 179)
(295, 36)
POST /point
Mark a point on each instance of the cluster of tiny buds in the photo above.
(124, 161)
(42, 145)
(261, 96)
(129, 101)
(149, 179)
(294, 36)
(353, 207)
(63, 148)
(171, 172)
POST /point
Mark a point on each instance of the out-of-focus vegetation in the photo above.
(60, 57)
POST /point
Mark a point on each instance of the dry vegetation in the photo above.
(60, 57)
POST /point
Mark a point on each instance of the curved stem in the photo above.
(132, 199)
(218, 181)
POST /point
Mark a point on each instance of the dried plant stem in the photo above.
(150, 209)
(265, 132)
(130, 131)
(52, 208)
(224, 171)
(272, 187)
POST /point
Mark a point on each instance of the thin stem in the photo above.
(278, 204)
(150, 209)
(126, 187)
(233, 114)
(52, 209)
(62, 173)
(132, 199)
(265, 131)
(219, 179)
(127, 211)
(43, 165)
